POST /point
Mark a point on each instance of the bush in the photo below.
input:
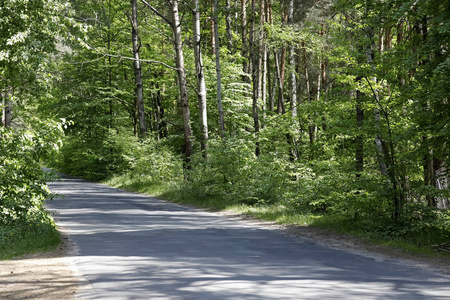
(23, 189)
(233, 172)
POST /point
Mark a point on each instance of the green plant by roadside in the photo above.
(25, 225)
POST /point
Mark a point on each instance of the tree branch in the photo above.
(157, 13)
(142, 60)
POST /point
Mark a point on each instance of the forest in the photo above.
(331, 113)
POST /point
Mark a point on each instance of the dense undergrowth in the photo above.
(25, 225)
(323, 193)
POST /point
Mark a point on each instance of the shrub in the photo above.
(23, 189)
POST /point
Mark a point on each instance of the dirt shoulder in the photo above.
(438, 264)
(40, 276)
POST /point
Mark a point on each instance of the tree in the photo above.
(137, 70)
(26, 41)
(175, 25)
(201, 85)
(218, 69)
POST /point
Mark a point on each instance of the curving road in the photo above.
(131, 246)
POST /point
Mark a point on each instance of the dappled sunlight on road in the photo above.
(135, 246)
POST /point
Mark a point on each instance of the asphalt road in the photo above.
(131, 246)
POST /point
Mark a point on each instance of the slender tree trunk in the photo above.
(213, 36)
(201, 85)
(184, 100)
(280, 103)
(282, 73)
(293, 80)
(255, 71)
(228, 26)
(244, 39)
(282, 68)
(272, 83)
(137, 70)
(263, 62)
(323, 76)
(157, 110)
(7, 108)
(428, 172)
(218, 72)
(359, 153)
(292, 65)
(441, 183)
(311, 127)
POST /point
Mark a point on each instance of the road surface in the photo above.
(131, 246)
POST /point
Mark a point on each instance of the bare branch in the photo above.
(157, 13)
(143, 60)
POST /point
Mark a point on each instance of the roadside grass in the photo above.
(29, 244)
(278, 212)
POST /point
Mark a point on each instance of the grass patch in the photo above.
(278, 213)
(29, 244)
(412, 248)
(141, 184)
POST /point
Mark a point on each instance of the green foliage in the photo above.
(23, 188)
(389, 60)
(234, 173)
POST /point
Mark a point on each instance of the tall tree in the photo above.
(255, 67)
(175, 25)
(137, 70)
(201, 86)
(218, 69)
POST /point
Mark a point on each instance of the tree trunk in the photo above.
(359, 153)
(272, 83)
(263, 62)
(255, 76)
(282, 68)
(293, 80)
(7, 108)
(292, 65)
(218, 72)
(311, 127)
(184, 100)
(213, 36)
(244, 40)
(280, 103)
(323, 76)
(137, 70)
(228, 26)
(201, 86)
(441, 183)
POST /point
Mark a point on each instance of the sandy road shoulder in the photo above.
(40, 276)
